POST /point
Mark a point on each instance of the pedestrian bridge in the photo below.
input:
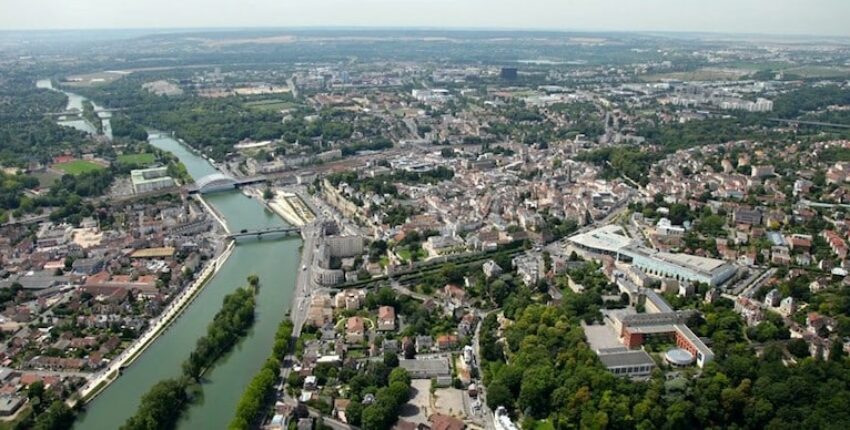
(221, 182)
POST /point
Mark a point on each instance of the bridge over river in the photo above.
(260, 232)
(220, 182)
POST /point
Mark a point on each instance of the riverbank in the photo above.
(286, 205)
(161, 323)
(215, 214)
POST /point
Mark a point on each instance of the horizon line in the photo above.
(423, 28)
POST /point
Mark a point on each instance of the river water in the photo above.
(75, 101)
(274, 261)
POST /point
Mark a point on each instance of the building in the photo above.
(426, 368)
(606, 240)
(634, 329)
(788, 306)
(624, 362)
(9, 404)
(747, 216)
(355, 330)
(152, 179)
(445, 422)
(762, 171)
(444, 245)
(54, 235)
(611, 240)
(773, 298)
(529, 267)
(682, 267)
(386, 318)
(491, 269)
(344, 246)
(509, 73)
(667, 229)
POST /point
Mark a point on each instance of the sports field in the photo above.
(78, 167)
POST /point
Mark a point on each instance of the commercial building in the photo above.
(605, 240)
(682, 267)
(344, 246)
(152, 179)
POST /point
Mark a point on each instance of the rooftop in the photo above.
(610, 238)
(626, 359)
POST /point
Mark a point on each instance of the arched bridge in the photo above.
(221, 182)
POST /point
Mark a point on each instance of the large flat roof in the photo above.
(626, 358)
(703, 265)
(700, 264)
(610, 238)
(430, 365)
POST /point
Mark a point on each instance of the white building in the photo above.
(152, 179)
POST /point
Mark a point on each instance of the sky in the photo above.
(810, 17)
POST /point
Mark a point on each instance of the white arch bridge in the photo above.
(221, 182)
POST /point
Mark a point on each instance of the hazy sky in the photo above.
(816, 17)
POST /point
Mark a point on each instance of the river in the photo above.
(274, 261)
(75, 101)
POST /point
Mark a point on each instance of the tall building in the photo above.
(509, 73)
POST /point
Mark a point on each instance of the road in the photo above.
(482, 390)
(303, 284)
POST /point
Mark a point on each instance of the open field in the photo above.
(704, 74)
(91, 79)
(819, 71)
(803, 70)
(144, 159)
(78, 167)
(270, 105)
(47, 178)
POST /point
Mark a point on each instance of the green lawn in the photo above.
(144, 159)
(407, 255)
(544, 425)
(78, 167)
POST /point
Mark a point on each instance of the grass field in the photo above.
(270, 105)
(815, 71)
(47, 178)
(143, 159)
(78, 167)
